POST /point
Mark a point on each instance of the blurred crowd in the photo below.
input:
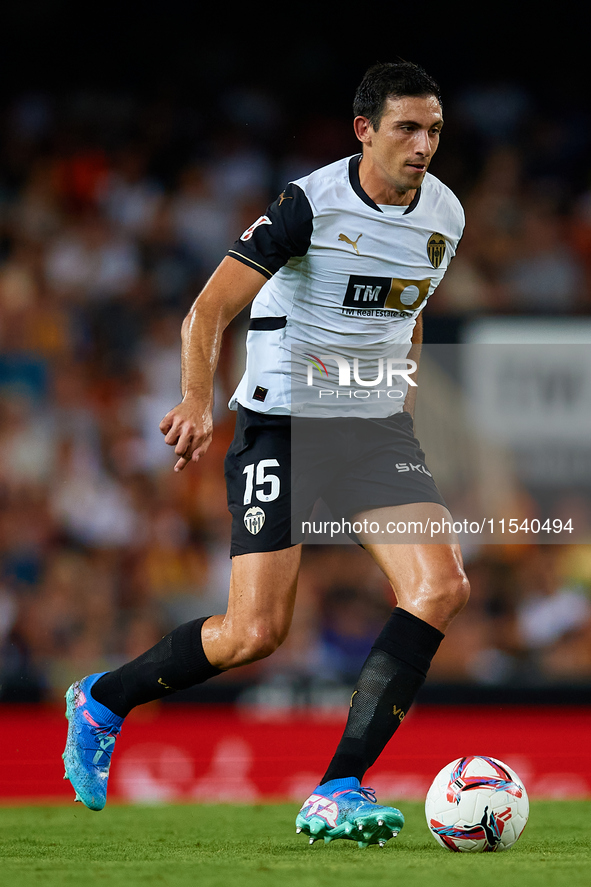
(114, 210)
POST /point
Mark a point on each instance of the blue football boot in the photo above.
(92, 731)
(342, 808)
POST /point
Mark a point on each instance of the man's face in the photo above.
(405, 141)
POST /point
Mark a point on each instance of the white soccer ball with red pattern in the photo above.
(477, 805)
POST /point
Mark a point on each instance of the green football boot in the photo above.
(342, 808)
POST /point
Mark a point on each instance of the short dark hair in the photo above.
(390, 79)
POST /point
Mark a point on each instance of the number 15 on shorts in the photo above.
(265, 486)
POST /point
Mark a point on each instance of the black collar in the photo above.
(356, 185)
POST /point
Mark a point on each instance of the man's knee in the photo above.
(255, 642)
(453, 592)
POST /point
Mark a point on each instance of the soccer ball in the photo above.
(476, 805)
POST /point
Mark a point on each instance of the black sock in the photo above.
(392, 675)
(176, 662)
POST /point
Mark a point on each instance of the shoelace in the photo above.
(97, 729)
(104, 737)
(367, 792)
(103, 732)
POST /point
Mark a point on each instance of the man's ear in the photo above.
(363, 129)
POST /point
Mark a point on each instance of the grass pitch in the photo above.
(248, 845)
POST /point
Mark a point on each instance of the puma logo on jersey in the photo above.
(282, 197)
(352, 243)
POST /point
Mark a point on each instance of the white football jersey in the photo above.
(345, 276)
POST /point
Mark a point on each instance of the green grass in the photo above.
(243, 846)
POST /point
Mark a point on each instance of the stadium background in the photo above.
(136, 145)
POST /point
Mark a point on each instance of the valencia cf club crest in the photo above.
(436, 249)
(254, 520)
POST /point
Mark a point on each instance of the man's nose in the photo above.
(422, 143)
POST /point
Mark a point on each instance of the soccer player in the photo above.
(345, 257)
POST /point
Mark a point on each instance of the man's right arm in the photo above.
(188, 427)
(284, 231)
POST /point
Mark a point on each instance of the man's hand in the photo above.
(188, 428)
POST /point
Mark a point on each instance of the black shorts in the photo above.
(276, 472)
